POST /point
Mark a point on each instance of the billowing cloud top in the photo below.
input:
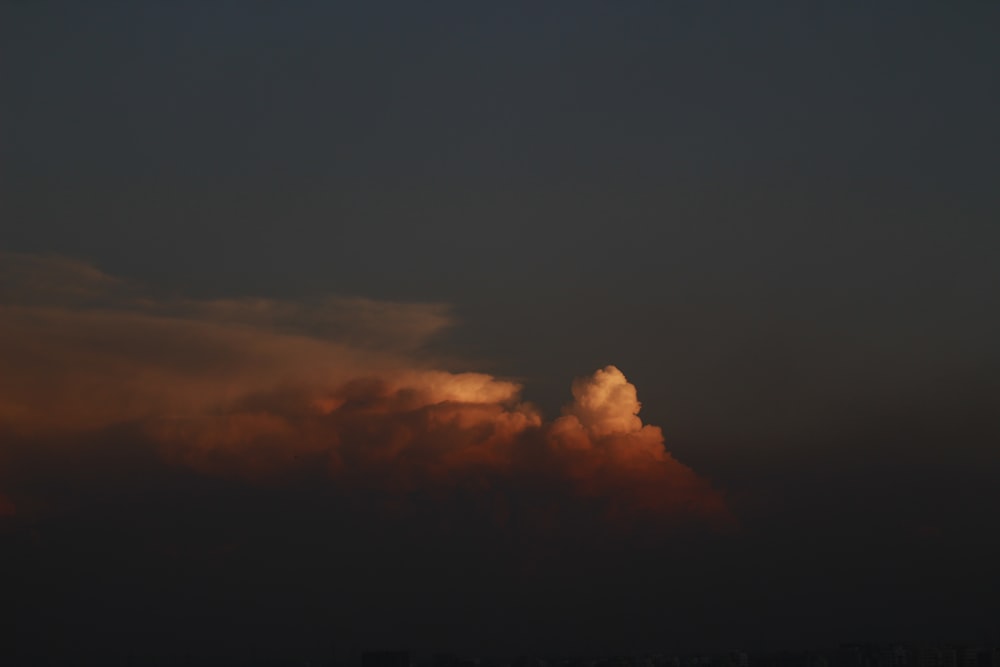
(258, 389)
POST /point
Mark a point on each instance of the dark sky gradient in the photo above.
(780, 220)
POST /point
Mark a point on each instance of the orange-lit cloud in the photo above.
(260, 388)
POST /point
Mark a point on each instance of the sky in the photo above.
(497, 328)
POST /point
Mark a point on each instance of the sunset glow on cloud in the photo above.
(257, 390)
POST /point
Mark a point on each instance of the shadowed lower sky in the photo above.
(294, 296)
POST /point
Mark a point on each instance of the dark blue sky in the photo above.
(714, 197)
(780, 220)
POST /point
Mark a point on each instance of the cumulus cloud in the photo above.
(605, 404)
(260, 389)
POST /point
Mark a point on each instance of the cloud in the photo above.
(609, 452)
(264, 389)
(605, 404)
(360, 322)
(80, 351)
(53, 280)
